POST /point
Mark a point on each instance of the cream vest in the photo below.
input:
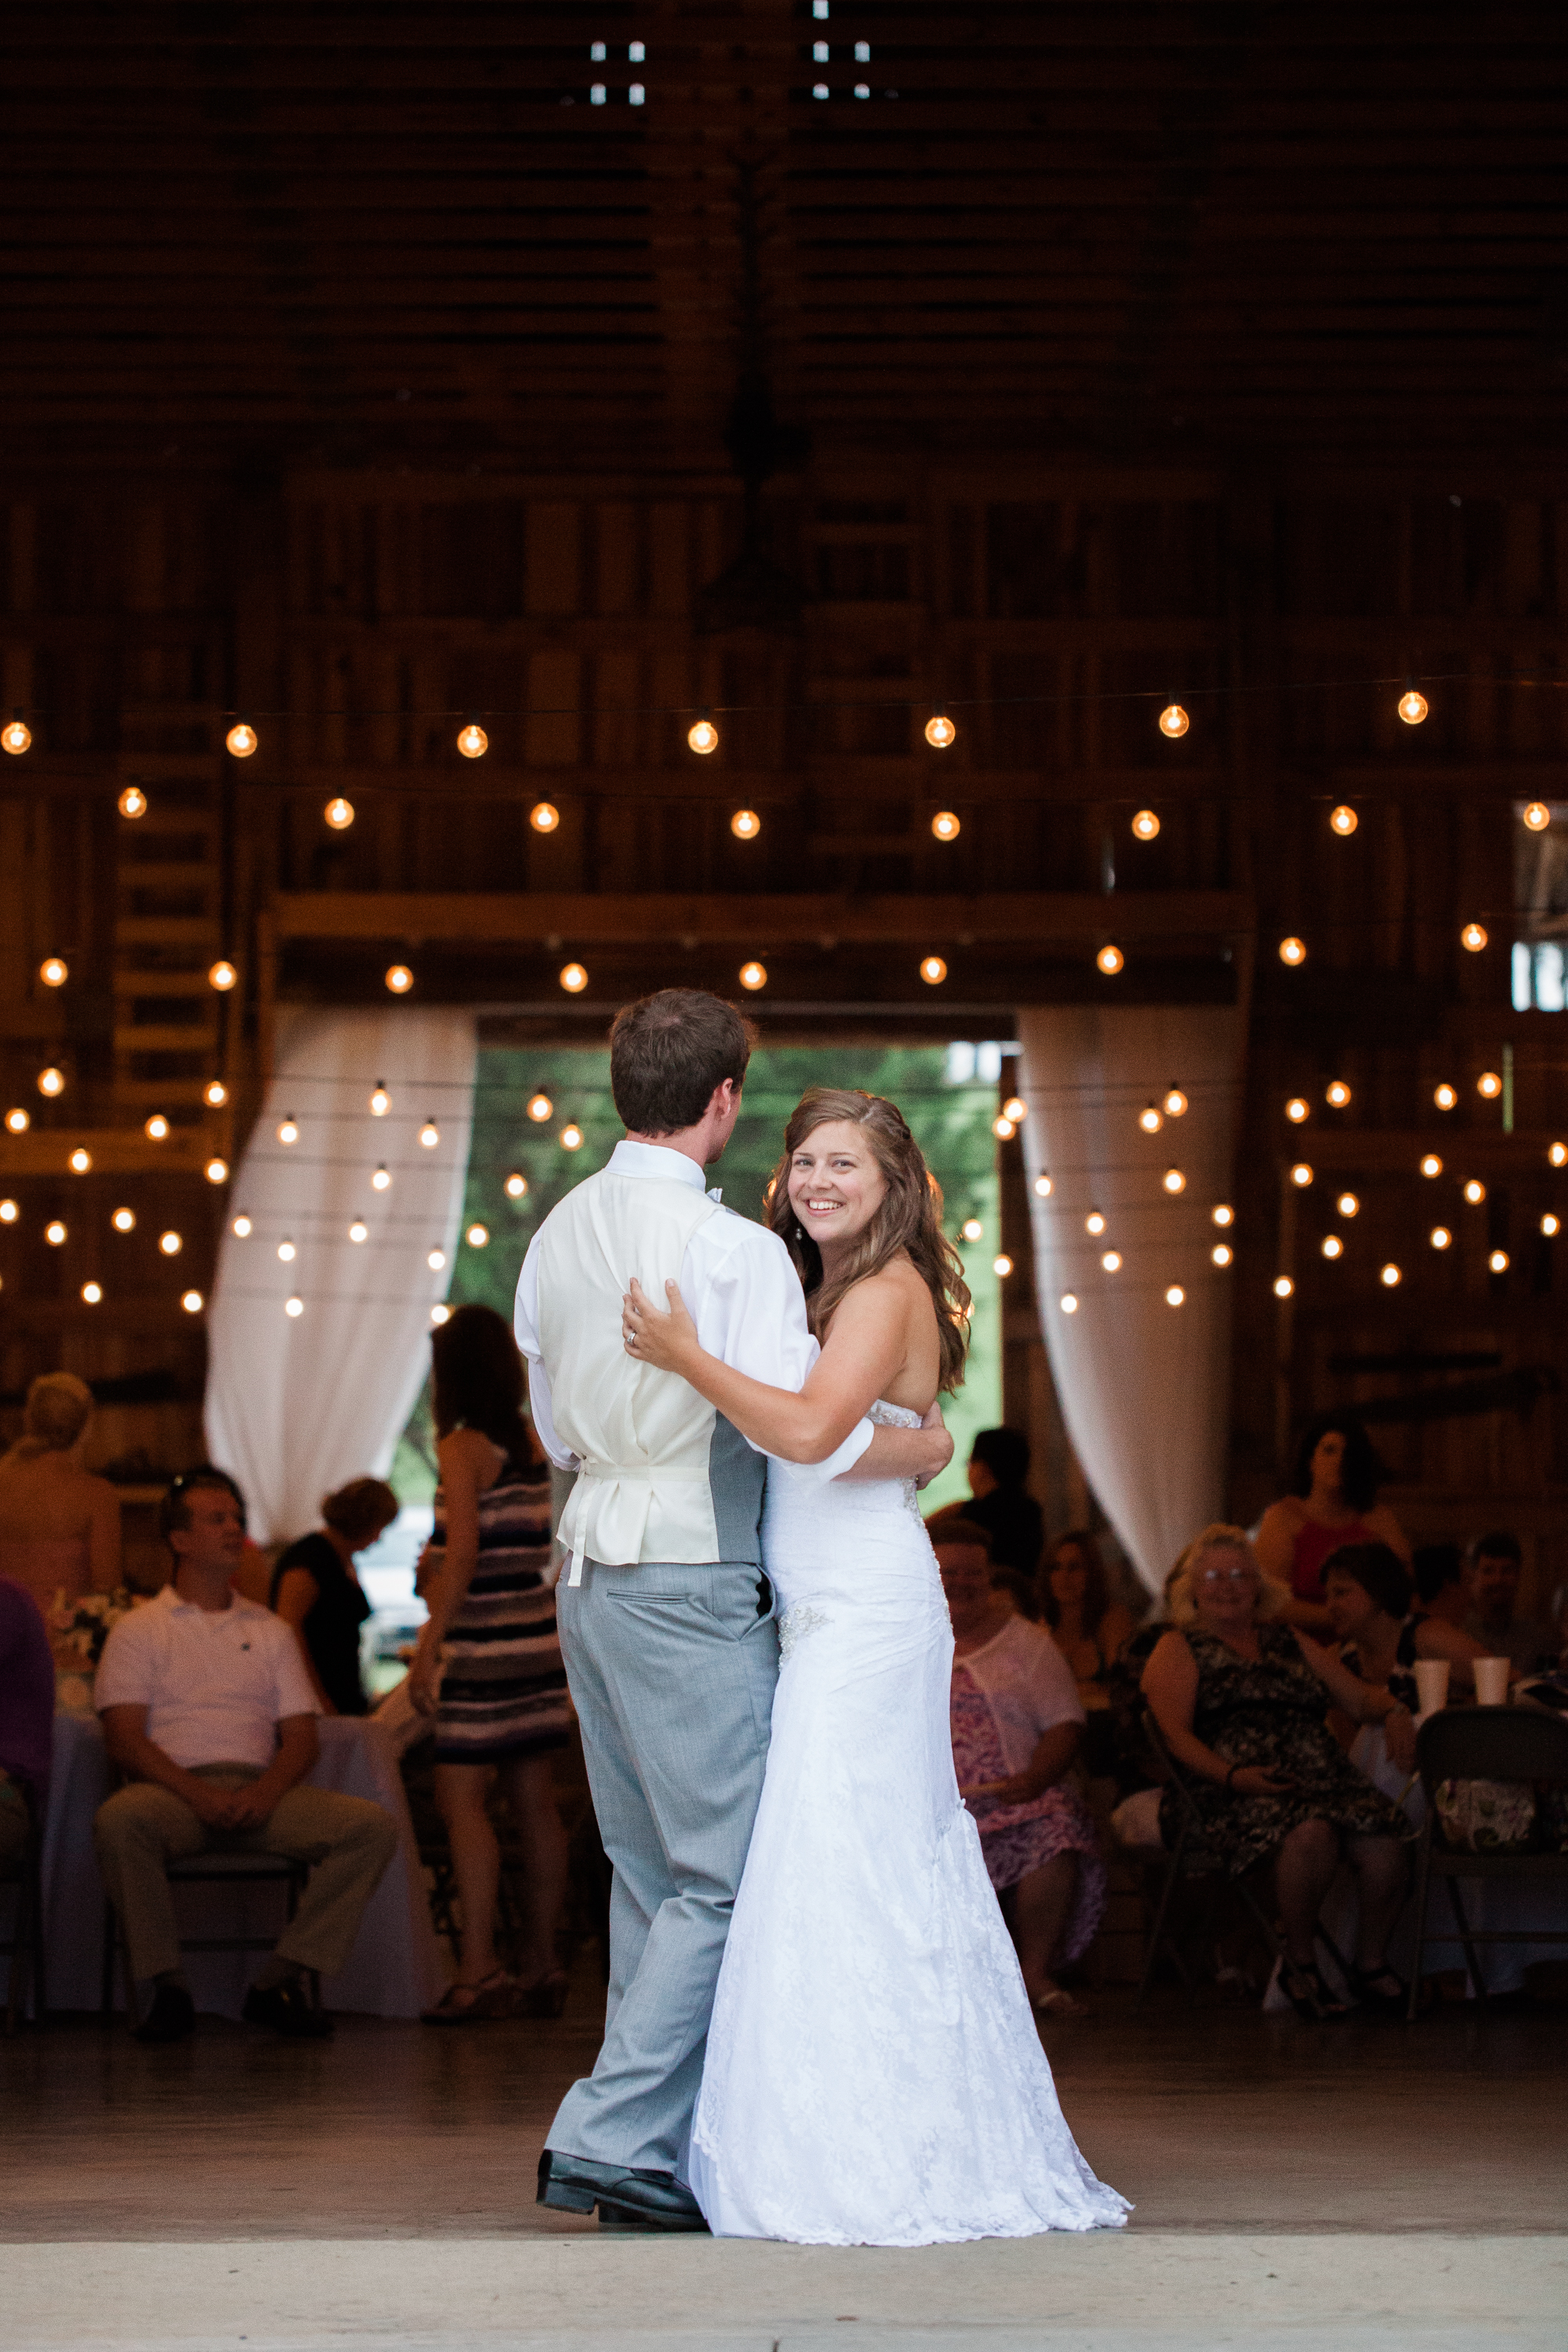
(663, 1476)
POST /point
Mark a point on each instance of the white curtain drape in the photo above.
(297, 1404)
(1144, 1385)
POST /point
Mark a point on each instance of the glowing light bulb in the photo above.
(571, 1138)
(1151, 1120)
(380, 1101)
(1343, 820)
(171, 1244)
(51, 1082)
(540, 1108)
(294, 1308)
(1439, 1238)
(241, 740)
(1444, 1096)
(472, 741)
(215, 1094)
(745, 825)
(1223, 1213)
(945, 825)
(359, 1231)
(1558, 1154)
(1301, 1173)
(381, 1181)
(1331, 1245)
(1145, 825)
(435, 1260)
(1473, 936)
(545, 816)
(1389, 1277)
(124, 1221)
(1004, 1128)
(1002, 1265)
(1336, 1094)
(1431, 1165)
(1488, 1085)
(1016, 1109)
(156, 1128)
(1297, 1109)
(9, 1212)
(1175, 1296)
(754, 975)
(1537, 816)
(440, 1314)
(288, 1130)
(1412, 707)
(1292, 950)
(79, 1161)
(1110, 960)
(1475, 1191)
(1348, 1205)
(1174, 720)
(54, 971)
(16, 737)
(17, 1121)
(477, 1236)
(132, 801)
(516, 1186)
(933, 971)
(1221, 1254)
(1496, 1262)
(1283, 1286)
(429, 1135)
(1069, 1304)
(1175, 1104)
(972, 1229)
(242, 1227)
(339, 812)
(222, 976)
(217, 1171)
(399, 979)
(573, 979)
(286, 1253)
(939, 732)
(704, 737)
(1094, 1222)
(91, 1292)
(1550, 1225)
(191, 1301)
(55, 1233)
(1112, 1261)
(1174, 1180)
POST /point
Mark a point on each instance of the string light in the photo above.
(745, 825)
(1550, 1225)
(545, 816)
(17, 1121)
(1292, 950)
(1174, 1180)
(1336, 1094)
(540, 1108)
(1488, 1085)
(1297, 1109)
(1002, 1266)
(171, 1244)
(1094, 1222)
(440, 1314)
(81, 1162)
(1537, 816)
(1002, 1127)
(1439, 1238)
(191, 1301)
(1412, 707)
(1151, 1120)
(754, 975)
(242, 1227)
(435, 1260)
(380, 1101)
(1110, 960)
(1431, 1165)
(359, 1231)
(1223, 1213)
(51, 1082)
(1175, 1104)
(241, 740)
(217, 1171)
(381, 1181)
(945, 825)
(16, 737)
(1343, 820)
(1475, 1191)
(132, 801)
(517, 1186)
(1332, 1246)
(156, 1129)
(1069, 1304)
(124, 1221)
(54, 971)
(429, 1135)
(1016, 1109)
(472, 741)
(1498, 1262)
(1175, 1296)
(286, 1253)
(1558, 1154)
(1283, 1286)
(1473, 936)
(1389, 1277)
(1112, 1261)
(704, 737)
(573, 979)
(9, 1212)
(478, 1235)
(1145, 825)
(933, 971)
(1348, 1205)
(1174, 720)
(1444, 1096)
(294, 1306)
(55, 1233)
(972, 1229)
(939, 732)
(215, 1094)
(1042, 1187)
(222, 976)
(1221, 1254)
(399, 979)
(1302, 1174)
(288, 1130)
(91, 1292)
(571, 1138)
(339, 812)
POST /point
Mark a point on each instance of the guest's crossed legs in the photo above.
(672, 1671)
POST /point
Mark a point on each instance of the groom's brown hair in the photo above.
(667, 1053)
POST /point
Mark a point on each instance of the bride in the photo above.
(873, 2074)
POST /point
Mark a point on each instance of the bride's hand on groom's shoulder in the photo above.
(667, 1341)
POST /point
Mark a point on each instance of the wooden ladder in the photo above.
(168, 932)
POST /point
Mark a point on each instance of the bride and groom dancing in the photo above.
(816, 2027)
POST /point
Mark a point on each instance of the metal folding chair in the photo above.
(1484, 1743)
(211, 1870)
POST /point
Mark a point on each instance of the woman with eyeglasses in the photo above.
(1241, 1701)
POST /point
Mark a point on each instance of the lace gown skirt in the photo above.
(874, 2075)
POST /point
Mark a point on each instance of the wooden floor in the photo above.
(1210, 2119)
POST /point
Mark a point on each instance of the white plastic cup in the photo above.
(1491, 1681)
(1432, 1683)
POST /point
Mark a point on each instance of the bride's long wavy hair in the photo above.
(910, 1218)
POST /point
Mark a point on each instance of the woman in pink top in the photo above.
(59, 1525)
(1333, 1501)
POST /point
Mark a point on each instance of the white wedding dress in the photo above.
(874, 2075)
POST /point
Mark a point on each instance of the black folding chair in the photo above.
(26, 1947)
(1484, 1743)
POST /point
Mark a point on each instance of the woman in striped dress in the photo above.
(488, 1665)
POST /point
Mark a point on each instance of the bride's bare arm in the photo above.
(865, 1351)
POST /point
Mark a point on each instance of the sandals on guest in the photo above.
(1059, 2002)
(1384, 1990)
(494, 1996)
(1308, 1995)
(546, 1997)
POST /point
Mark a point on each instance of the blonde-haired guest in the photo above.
(59, 1525)
(1242, 1700)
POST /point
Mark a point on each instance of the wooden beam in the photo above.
(115, 1152)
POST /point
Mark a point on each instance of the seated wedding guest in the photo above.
(59, 1525)
(26, 1716)
(1016, 1724)
(488, 1664)
(1333, 1501)
(315, 1590)
(1438, 1571)
(1089, 1626)
(1380, 1638)
(1492, 1578)
(998, 1465)
(1241, 1700)
(208, 1712)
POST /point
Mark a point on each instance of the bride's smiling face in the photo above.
(836, 1187)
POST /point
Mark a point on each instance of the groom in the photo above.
(666, 1617)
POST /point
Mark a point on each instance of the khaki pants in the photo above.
(143, 1828)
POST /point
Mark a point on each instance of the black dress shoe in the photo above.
(170, 2018)
(286, 2008)
(648, 2200)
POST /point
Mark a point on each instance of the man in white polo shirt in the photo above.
(208, 1711)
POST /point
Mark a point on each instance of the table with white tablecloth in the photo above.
(396, 1968)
